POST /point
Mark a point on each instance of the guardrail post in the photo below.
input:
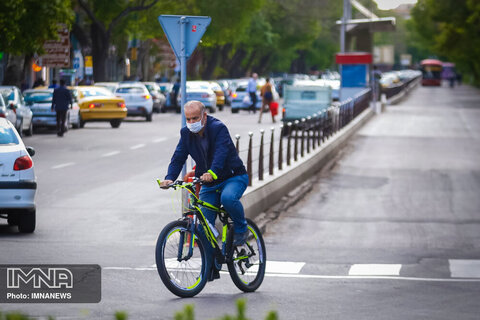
(309, 125)
(249, 159)
(302, 149)
(280, 149)
(314, 131)
(295, 148)
(237, 136)
(271, 162)
(289, 149)
(260, 156)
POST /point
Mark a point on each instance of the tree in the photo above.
(105, 17)
(450, 29)
(25, 25)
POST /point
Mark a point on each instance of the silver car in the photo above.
(14, 99)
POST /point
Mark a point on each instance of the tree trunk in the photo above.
(100, 44)
(212, 62)
(250, 62)
(263, 64)
(235, 66)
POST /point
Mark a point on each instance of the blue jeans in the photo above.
(227, 193)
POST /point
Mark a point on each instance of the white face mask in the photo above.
(196, 126)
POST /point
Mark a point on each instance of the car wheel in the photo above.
(235, 110)
(212, 109)
(29, 131)
(148, 117)
(178, 110)
(26, 221)
(82, 123)
(12, 219)
(115, 123)
(220, 107)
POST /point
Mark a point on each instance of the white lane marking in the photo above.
(137, 146)
(63, 165)
(325, 277)
(284, 267)
(159, 140)
(375, 270)
(461, 268)
(109, 154)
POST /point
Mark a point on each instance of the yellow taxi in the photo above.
(219, 93)
(99, 104)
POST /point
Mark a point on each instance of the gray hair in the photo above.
(195, 103)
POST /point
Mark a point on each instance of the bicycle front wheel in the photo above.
(247, 263)
(181, 265)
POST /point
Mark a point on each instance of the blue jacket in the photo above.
(222, 160)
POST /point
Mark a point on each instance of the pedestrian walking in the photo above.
(53, 85)
(252, 91)
(267, 98)
(61, 101)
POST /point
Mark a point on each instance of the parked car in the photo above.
(241, 99)
(112, 86)
(17, 179)
(6, 111)
(219, 93)
(40, 102)
(138, 100)
(99, 104)
(157, 96)
(166, 88)
(201, 91)
(13, 98)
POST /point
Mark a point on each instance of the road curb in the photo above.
(267, 199)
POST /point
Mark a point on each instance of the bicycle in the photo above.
(181, 255)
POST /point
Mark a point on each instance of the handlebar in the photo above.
(179, 183)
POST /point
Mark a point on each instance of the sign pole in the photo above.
(183, 76)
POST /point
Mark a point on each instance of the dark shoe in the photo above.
(60, 134)
(239, 239)
(214, 274)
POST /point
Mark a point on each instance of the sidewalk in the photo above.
(407, 185)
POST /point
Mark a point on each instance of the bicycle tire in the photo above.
(184, 278)
(248, 273)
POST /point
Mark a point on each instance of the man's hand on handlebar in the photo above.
(206, 177)
(165, 184)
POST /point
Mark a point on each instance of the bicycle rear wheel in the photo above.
(247, 263)
(183, 275)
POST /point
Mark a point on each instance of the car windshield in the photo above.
(7, 136)
(197, 86)
(96, 92)
(135, 90)
(38, 97)
(7, 94)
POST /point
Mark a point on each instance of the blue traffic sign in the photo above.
(184, 32)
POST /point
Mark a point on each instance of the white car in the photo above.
(137, 98)
(14, 99)
(40, 102)
(17, 179)
(201, 91)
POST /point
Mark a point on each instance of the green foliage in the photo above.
(187, 313)
(121, 315)
(26, 24)
(450, 29)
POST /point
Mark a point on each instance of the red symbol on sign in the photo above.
(194, 28)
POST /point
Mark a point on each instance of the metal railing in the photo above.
(292, 141)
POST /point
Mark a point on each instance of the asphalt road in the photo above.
(390, 231)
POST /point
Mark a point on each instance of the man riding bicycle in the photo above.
(207, 140)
